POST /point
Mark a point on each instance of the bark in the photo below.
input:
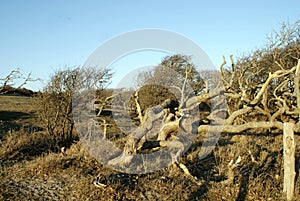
(289, 160)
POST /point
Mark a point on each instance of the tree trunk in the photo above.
(289, 159)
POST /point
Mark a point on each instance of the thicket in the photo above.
(55, 104)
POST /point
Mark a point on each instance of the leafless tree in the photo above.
(12, 77)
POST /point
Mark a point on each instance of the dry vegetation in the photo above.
(41, 157)
(32, 170)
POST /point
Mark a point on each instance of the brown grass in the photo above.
(31, 169)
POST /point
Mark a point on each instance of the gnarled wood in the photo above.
(289, 160)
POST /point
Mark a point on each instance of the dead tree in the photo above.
(11, 78)
(262, 91)
(254, 102)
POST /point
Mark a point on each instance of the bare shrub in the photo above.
(55, 103)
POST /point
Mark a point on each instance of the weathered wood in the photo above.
(230, 174)
(104, 128)
(289, 160)
(239, 128)
(296, 83)
(159, 125)
(138, 107)
(151, 126)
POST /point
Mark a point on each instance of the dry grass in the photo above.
(31, 169)
(16, 104)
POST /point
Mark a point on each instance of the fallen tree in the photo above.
(159, 127)
(260, 91)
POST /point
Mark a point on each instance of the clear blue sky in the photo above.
(43, 36)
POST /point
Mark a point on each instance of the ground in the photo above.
(31, 168)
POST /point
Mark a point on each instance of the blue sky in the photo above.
(44, 36)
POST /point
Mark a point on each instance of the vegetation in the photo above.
(172, 71)
(9, 90)
(42, 158)
(151, 95)
(7, 84)
(57, 97)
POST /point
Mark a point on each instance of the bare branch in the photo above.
(222, 72)
(296, 84)
(239, 128)
(11, 78)
(137, 103)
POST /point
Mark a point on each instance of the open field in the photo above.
(33, 168)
